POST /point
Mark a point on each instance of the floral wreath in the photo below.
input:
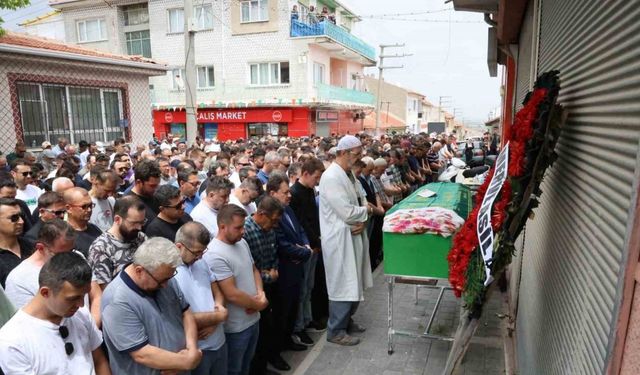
(532, 139)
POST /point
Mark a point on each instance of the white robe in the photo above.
(346, 257)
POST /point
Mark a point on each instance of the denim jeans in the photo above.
(214, 362)
(241, 346)
(340, 313)
(304, 310)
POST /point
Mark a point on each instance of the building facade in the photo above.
(289, 76)
(50, 89)
(577, 263)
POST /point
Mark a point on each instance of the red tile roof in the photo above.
(30, 41)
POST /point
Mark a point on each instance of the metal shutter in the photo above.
(575, 247)
(524, 57)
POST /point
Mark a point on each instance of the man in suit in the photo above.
(293, 251)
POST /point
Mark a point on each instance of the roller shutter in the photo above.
(574, 253)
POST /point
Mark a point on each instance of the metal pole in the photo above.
(379, 92)
(190, 72)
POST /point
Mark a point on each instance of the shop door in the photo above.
(576, 248)
(322, 129)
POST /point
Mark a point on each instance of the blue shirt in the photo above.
(190, 203)
(263, 177)
(195, 283)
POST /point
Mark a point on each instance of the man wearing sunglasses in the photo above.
(52, 334)
(171, 216)
(198, 283)
(13, 249)
(23, 177)
(147, 323)
(50, 206)
(189, 183)
(79, 209)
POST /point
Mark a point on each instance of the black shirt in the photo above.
(151, 207)
(303, 203)
(85, 238)
(160, 228)
(9, 261)
(31, 236)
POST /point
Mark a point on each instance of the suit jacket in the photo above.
(371, 195)
(291, 257)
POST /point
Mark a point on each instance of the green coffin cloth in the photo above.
(424, 255)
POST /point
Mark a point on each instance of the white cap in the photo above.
(100, 146)
(348, 142)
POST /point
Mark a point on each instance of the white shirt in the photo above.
(30, 196)
(83, 158)
(102, 213)
(29, 345)
(250, 209)
(207, 216)
(235, 178)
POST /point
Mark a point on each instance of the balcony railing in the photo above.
(328, 93)
(338, 34)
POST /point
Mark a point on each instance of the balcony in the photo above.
(334, 33)
(338, 95)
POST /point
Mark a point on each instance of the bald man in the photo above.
(61, 184)
(79, 207)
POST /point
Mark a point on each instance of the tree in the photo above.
(13, 5)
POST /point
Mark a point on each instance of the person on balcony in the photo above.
(324, 15)
(294, 13)
(312, 17)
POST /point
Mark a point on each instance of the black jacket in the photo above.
(303, 204)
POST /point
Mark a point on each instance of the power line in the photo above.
(405, 14)
(420, 20)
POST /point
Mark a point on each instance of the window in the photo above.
(176, 78)
(274, 73)
(255, 11)
(137, 14)
(318, 73)
(47, 111)
(205, 77)
(204, 16)
(138, 43)
(176, 20)
(92, 30)
(259, 129)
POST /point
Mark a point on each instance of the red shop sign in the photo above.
(227, 116)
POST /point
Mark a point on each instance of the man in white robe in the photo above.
(343, 217)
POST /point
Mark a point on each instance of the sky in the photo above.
(449, 50)
(449, 58)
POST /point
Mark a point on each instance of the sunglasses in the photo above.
(178, 205)
(25, 174)
(64, 332)
(56, 212)
(84, 206)
(15, 218)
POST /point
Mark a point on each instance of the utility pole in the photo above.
(190, 72)
(447, 100)
(381, 69)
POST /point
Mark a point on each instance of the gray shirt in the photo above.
(234, 261)
(102, 213)
(133, 318)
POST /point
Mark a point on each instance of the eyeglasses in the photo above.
(14, 218)
(177, 205)
(175, 272)
(84, 206)
(64, 332)
(25, 174)
(194, 184)
(194, 253)
(142, 223)
(56, 212)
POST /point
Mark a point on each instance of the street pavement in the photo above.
(412, 356)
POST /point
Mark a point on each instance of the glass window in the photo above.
(176, 77)
(139, 43)
(255, 11)
(204, 16)
(176, 20)
(78, 113)
(260, 129)
(205, 77)
(137, 14)
(318, 73)
(274, 73)
(91, 30)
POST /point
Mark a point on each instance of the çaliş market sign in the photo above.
(226, 116)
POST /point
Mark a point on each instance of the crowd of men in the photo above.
(208, 259)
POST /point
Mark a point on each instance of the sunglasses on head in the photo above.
(64, 332)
